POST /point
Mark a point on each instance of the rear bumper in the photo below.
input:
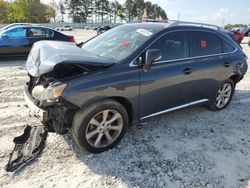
(34, 110)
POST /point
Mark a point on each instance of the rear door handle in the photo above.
(227, 64)
(187, 71)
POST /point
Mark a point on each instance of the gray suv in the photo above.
(127, 75)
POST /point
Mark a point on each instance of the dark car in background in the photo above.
(247, 32)
(128, 75)
(18, 40)
(102, 29)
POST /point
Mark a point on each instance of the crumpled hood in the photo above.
(44, 55)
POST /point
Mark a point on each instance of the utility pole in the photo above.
(179, 16)
(223, 22)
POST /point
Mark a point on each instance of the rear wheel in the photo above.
(223, 96)
(100, 126)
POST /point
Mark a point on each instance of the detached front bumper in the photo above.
(34, 110)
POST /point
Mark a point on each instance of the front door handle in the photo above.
(187, 71)
(227, 64)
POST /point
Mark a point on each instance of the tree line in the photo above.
(80, 11)
(236, 25)
(110, 11)
(32, 11)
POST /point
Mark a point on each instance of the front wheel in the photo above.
(223, 96)
(100, 126)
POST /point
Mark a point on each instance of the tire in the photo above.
(92, 126)
(240, 40)
(215, 106)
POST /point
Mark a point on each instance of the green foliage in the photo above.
(235, 25)
(107, 10)
(32, 11)
(3, 11)
(81, 11)
(136, 8)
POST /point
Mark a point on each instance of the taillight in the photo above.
(72, 39)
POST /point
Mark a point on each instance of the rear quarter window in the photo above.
(206, 43)
(227, 47)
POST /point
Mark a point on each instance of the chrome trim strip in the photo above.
(188, 58)
(175, 108)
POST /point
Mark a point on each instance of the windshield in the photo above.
(120, 42)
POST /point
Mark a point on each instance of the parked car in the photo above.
(102, 29)
(96, 28)
(17, 41)
(238, 34)
(126, 76)
(247, 32)
(66, 28)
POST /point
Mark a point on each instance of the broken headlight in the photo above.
(51, 92)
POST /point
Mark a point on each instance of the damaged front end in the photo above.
(56, 115)
(50, 66)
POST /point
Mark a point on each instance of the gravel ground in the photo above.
(189, 148)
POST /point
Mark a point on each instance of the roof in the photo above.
(195, 24)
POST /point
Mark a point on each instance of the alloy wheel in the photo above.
(104, 128)
(224, 95)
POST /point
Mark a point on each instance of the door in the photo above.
(166, 85)
(14, 41)
(210, 65)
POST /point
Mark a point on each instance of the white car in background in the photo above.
(66, 28)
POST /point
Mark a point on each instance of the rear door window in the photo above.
(206, 43)
(173, 46)
(39, 32)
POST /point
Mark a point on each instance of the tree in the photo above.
(32, 11)
(138, 9)
(101, 9)
(72, 7)
(3, 11)
(62, 10)
(54, 10)
(129, 8)
(78, 9)
(50, 12)
(121, 13)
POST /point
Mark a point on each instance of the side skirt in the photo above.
(175, 108)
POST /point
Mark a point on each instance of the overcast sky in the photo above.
(210, 11)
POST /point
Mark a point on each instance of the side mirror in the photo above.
(152, 56)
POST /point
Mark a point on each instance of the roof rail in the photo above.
(176, 23)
